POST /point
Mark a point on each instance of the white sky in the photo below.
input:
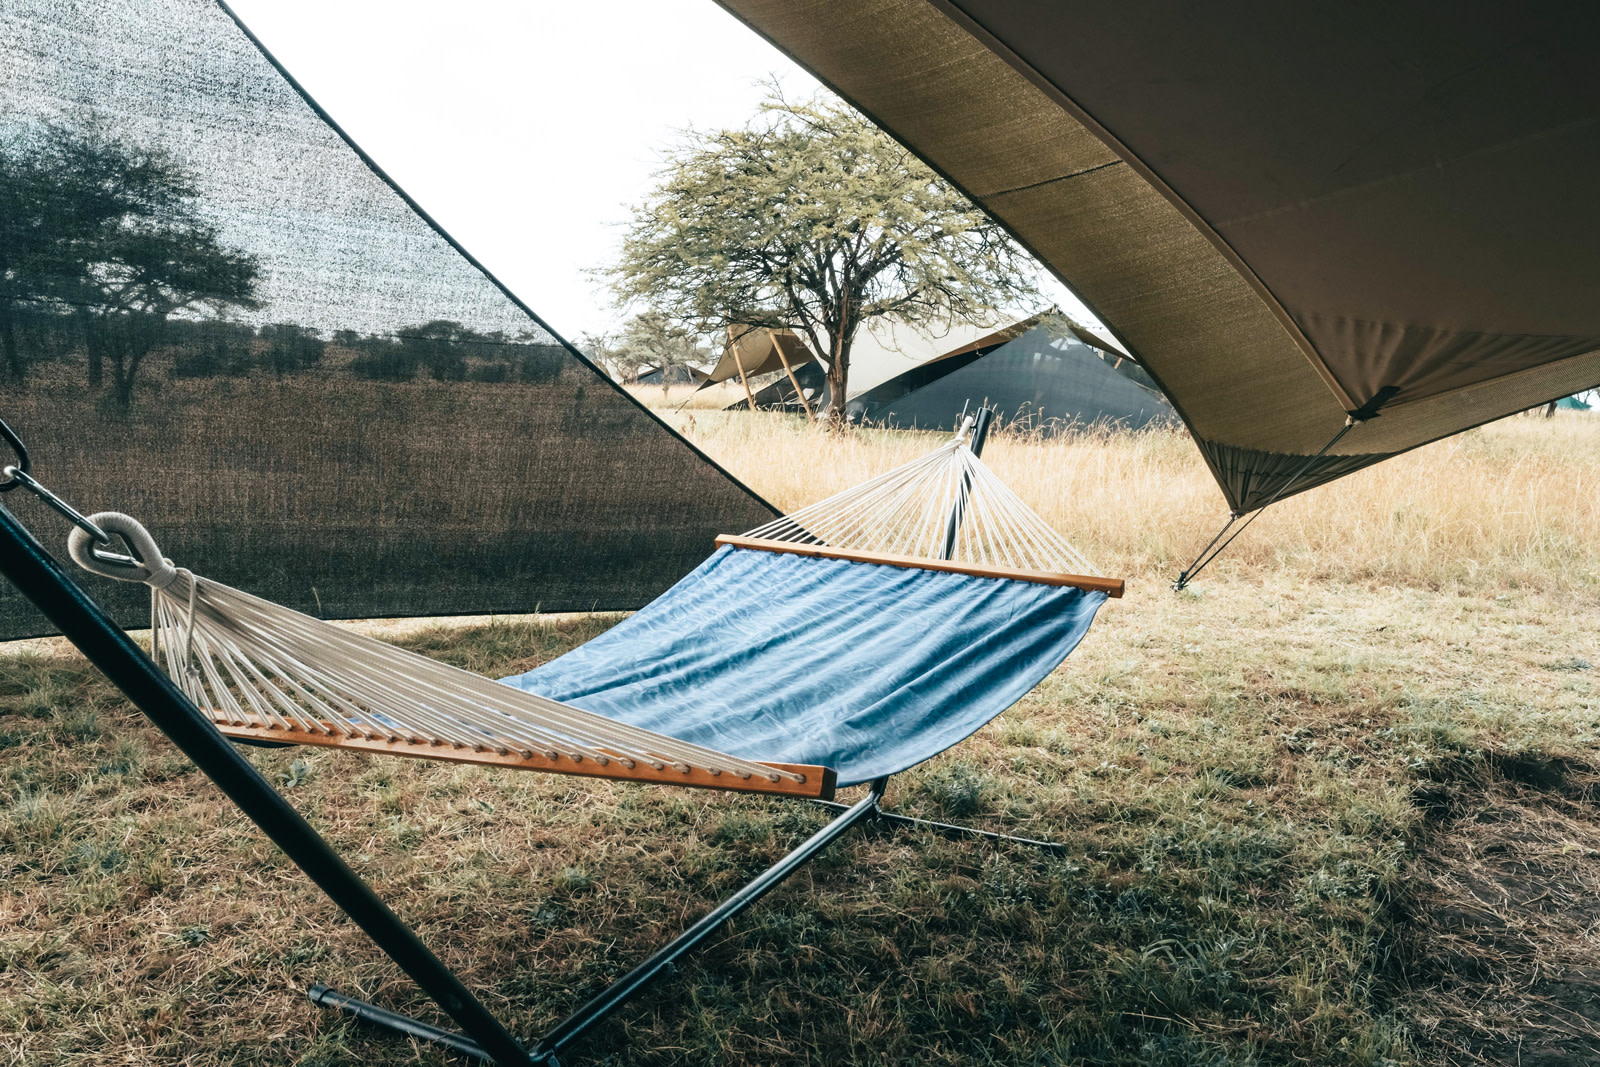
(527, 128)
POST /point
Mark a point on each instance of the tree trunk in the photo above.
(137, 335)
(8, 343)
(121, 340)
(121, 381)
(93, 346)
(844, 334)
(838, 382)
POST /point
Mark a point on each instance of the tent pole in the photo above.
(798, 392)
(42, 580)
(738, 361)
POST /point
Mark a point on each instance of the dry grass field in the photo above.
(1336, 804)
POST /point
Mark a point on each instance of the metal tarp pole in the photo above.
(980, 434)
(42, 580)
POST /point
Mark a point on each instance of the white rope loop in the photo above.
(154, 570)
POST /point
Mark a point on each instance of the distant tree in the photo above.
(811, 218)
(451, 352)
(602, 350)
(114, 233)
(654, 341)
(290, 348)
(209, 349)
(383, 360)
(440, 348)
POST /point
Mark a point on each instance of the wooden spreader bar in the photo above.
(816, 782)
(1112, 587)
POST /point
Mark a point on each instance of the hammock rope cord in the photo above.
(251, 662)
(918, 508)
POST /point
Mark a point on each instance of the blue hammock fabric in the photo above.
(862, 667)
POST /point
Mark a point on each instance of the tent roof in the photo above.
(885, 348)
(1040, 379)
(1286, 215)
(882, 349)
(760, 350)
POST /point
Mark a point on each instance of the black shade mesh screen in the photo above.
(217, 317)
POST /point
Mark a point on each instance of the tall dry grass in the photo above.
(1513, 504)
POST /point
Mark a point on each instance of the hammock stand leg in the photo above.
(631, 984)
(40, 578)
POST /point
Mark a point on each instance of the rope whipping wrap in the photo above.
(250, 661)
(911, 509)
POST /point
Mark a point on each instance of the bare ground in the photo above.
(1501, 916)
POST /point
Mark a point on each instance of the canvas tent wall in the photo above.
(672, 376)
(779, 393)
(1286, 214)
(1043, 381)
(331, 404)
(885, 348)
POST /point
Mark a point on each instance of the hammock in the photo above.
(848, 641)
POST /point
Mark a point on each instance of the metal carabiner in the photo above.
(16, 474)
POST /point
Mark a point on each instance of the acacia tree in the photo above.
(152, 259)
(58, 191)
(112, 233)
(601, 350)
(654, 341)
(811, 218)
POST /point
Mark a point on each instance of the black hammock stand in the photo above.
(37, 574)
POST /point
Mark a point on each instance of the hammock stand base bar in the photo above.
(864, 812)
(817, 782)
(950, 830)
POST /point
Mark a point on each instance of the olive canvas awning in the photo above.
(757, 350)
(1286, 213)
